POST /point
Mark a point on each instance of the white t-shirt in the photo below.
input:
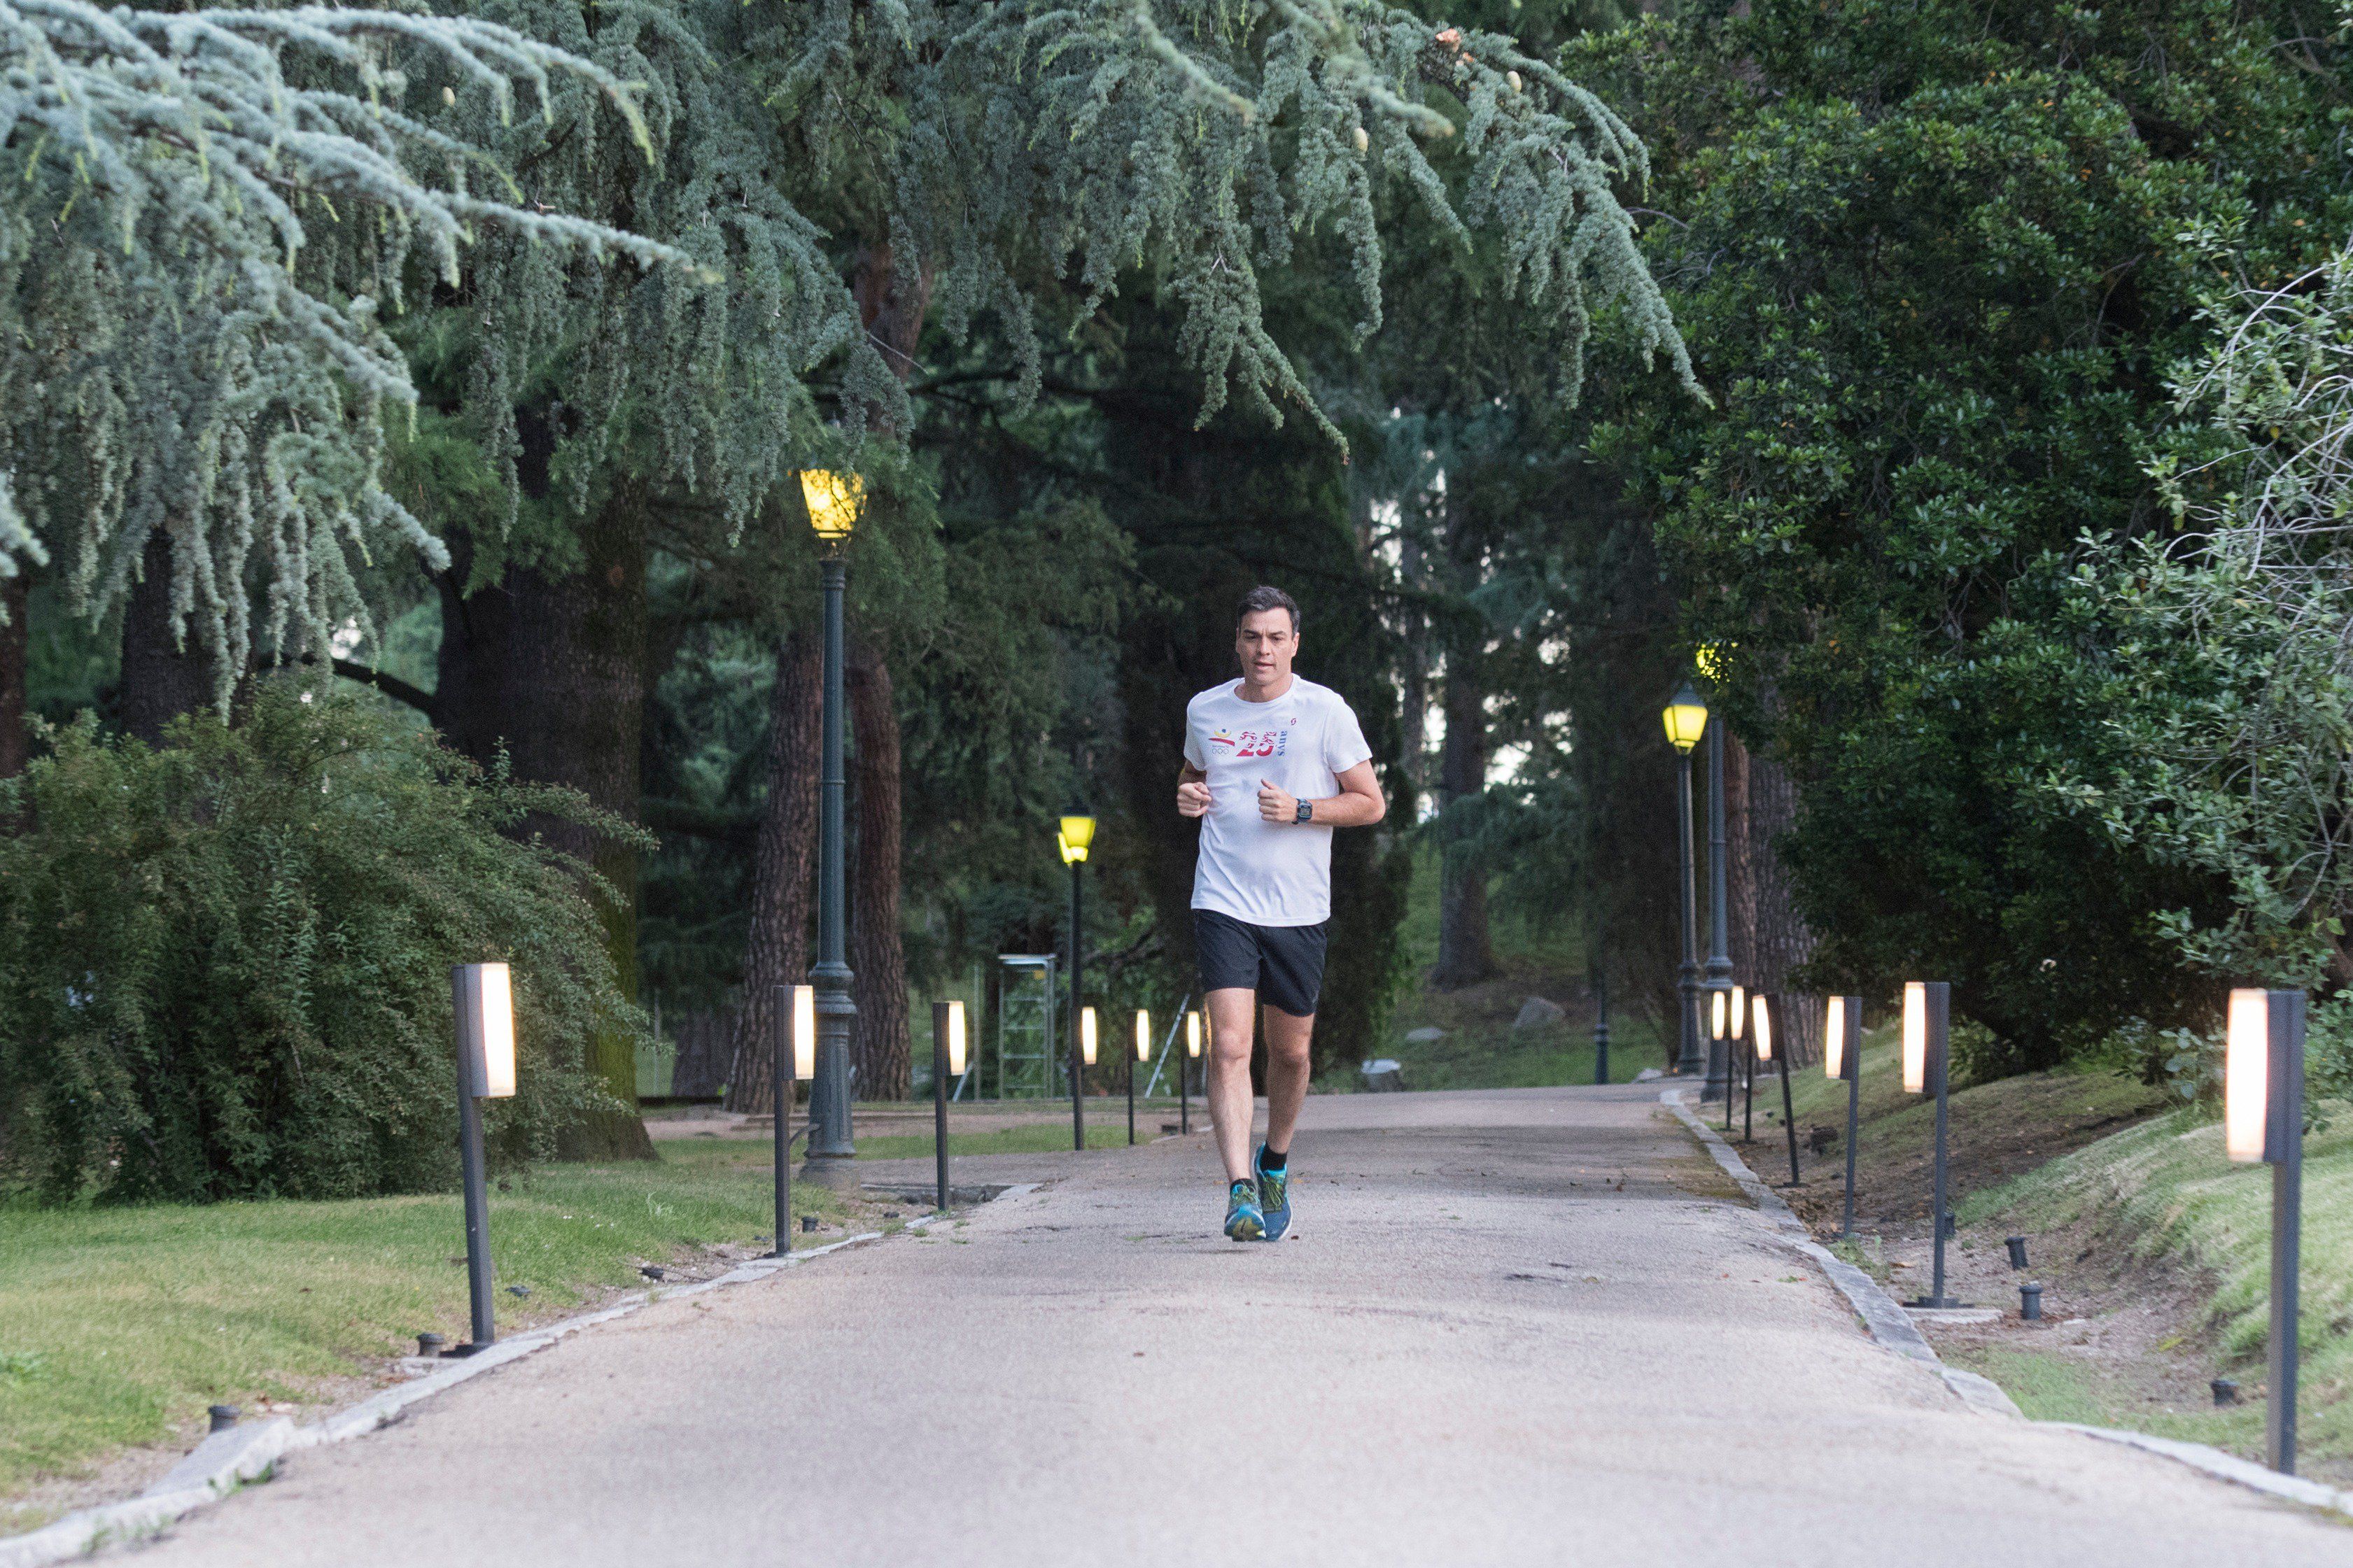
(1267, 873)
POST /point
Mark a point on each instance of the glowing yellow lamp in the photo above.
(1915, 1036)
(834, 502)
(956, 1039)
(804, 1032)
(1087, 1035)
(1764, 1027)
(1077, 833)
(1192, 1033)
(1143, 1034)
(2246, 1076)
(1739, 1009)
(1686, 717)
(1718, 1022)
(1834, 1040)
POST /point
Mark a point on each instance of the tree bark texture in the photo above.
(162, 678)
(16, 650)
(553, 667)
(777, 949)
(1465, 953)
(1784, 941)
(877, 954)
(1740, 865)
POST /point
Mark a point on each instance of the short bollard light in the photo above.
(2263, 1120)
(795, 1064)
(1764, 1007)
(2017, 1244)
(482, 999)
(947, 1062)
(2030, 1302)
(1842, 1058)
(1720, 1031)
(1719, 1018)
(1142, 1054)
(1087, 1035)
(221, 1417)
(429, 1346)
(1928, 1033)
(2225, 1391)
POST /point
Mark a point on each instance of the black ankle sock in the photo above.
(1272, 1163)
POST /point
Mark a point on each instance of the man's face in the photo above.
(1266, 645)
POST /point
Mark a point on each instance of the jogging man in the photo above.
(1272, 764)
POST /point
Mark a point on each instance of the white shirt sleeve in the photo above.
(1343, 738)
(1193, 741)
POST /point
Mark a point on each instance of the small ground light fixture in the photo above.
(1915, 1038)
(1718, 1021)
(1739, 1009)
(1192, 1033)
(1834, 1040)
(2263, 1120)
(1764, 1020)
(803, 1032)
(1087, 1035)
(956, 1039)
(1144, 1034)
(485, 1001)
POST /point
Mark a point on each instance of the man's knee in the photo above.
(1290, 1053)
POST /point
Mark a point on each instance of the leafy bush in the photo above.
(225, 964)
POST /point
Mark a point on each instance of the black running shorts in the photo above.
(1284, 964)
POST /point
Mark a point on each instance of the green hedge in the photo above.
(225, 963)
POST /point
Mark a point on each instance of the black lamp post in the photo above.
(1686, 719)
(1719, 956)
(1600, 1026)
(482, 999)
(1841, 1059)
(947, 1062)
(795, 1064)
(834, 503)
(1078, 832)
(1927, 1039)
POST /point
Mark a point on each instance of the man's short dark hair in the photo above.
(1259, 600)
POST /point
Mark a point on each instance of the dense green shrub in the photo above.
(225, 964)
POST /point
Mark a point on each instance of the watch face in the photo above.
(1305, 811)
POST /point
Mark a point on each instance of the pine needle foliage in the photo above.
(206, 216)
(225, 963)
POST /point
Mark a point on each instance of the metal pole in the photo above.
(781, 1018)
(940, 1095)
(478, 1211)
(1131, 1097)
(2284, 1147)
(831, 1150)
(1719, 955)
(1849, 1061)
(1939, 998)
(1687, 1057)
(1601, 1028)
(1078, 965)
(1749, 1090)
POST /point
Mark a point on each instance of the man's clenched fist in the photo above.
(1192, 798)
(1275, 805)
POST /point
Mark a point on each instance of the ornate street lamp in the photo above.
(834, 499)
(1719, 955)
(1686, 721)
(1076, 833)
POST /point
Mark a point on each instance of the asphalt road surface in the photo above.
(1519, 1327)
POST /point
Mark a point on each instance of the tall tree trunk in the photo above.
(1784, 940)
(552, 669)
(876, 949)
(1465, 953)
(776, 951)
(162, 678)
(1740, 870)
(15, 651)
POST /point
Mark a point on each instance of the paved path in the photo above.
(1516, 1328)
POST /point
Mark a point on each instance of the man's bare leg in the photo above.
(1230, 1026)
(1287, 1035)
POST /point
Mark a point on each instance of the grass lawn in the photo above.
(1041, 1138)
(2163, 1196)
(118, 1325)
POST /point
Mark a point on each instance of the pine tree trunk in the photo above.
(1740, 867)
(554, 668)
(15, 649)
(1465, 953)
(776, 951)
(161, 679)
(1784, 940)
(877, 954)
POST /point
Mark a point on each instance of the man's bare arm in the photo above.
(1360, 804)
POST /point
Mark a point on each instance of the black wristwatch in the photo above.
(1306, 811)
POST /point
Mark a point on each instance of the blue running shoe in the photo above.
(1243, 1221)
(1273, 1196)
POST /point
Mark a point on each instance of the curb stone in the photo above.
(1894, 1330)
(225, 1461)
